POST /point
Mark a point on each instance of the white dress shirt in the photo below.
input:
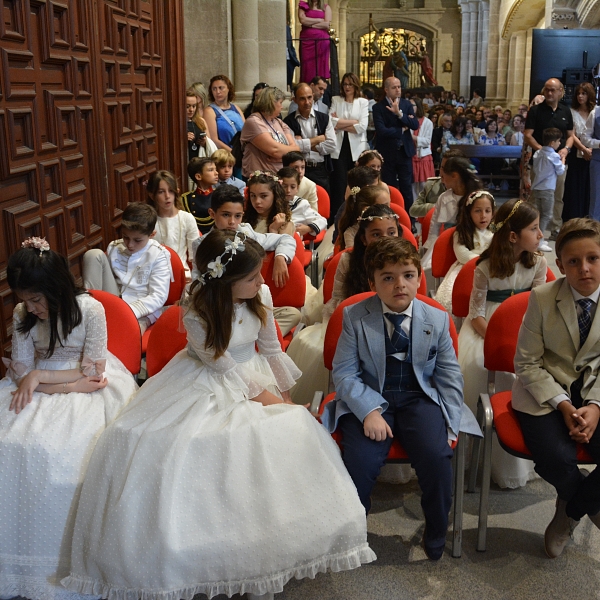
(308, 127)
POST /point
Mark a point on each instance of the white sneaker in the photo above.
(544, 247)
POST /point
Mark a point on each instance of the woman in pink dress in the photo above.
(315, 17)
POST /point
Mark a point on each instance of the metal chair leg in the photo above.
(487, 471)
(459, 487)
(475, 452)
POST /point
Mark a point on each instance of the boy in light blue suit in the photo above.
(396, 375)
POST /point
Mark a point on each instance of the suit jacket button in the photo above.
(578, 368)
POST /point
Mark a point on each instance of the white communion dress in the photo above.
(45, 449)
(507, 471)
(197, 489)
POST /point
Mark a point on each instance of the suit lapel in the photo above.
(566, 307)
(372, 324)
(421, 335)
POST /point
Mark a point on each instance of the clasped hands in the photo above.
(581, 422)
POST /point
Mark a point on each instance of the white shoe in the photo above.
(544, 247)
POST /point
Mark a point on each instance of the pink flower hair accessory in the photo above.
(38, 243)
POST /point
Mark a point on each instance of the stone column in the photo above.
(485, 5)
(342, 35)
(519, 70)
(245, 47)
(271, 44)
(465, 49)
(493, 49)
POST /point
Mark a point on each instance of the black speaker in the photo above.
(572, 78)
(478, 82)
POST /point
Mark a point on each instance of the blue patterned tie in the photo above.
(400, 339)
(584, 319)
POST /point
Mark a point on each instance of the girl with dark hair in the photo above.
(423, 159)
(510, 265)
(267, 209)
(175, 227)
(457, 134)
(54, 403)
(211, 468)
(471, 237)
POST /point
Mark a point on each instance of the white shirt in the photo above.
(547, 165)
(317, 105)
(308, 127)
(554, 402)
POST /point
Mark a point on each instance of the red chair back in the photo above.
(323, 202)
(334, 327)
(123, 329)
(329, 278)
(407, 234)
(425, 225)
(443, 256)
(403, 217)
(461, 292)
(165, 340)
(178, 285)
(396, 196)
(294, 291)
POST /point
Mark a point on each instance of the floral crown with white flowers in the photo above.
(38, 243)
(266, 174)
(216, 268)
(478, 194)
(393, 215)
(374, 152)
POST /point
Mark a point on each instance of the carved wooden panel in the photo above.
(84, 106)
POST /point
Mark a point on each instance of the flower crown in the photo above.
(38, 243)
(495, 227)
(266, 174)
(216, 268)
(371, 152)
(355, 190)
(373, 217)
(478, 194)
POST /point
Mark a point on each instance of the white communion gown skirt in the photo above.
(195, 489)
(44, 452)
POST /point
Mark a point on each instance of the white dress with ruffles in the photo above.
(197, 489)
(45, 449)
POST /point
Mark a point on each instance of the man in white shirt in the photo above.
(314, 135)
(318, 85)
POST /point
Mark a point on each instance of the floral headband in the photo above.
(478, 194)
(495, 227)
(373, 217)
(355, 190)
(38, 243)
(216, 268)
(266, 174)
(377, 155)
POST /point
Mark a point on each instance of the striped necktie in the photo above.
(400, 339)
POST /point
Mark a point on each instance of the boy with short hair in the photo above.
(136, 267)
(556, 394)
(305, 219)
(307, 188)
(396, 375)
(547, 166)
(203, 172)
(227, 210)
(225, 162)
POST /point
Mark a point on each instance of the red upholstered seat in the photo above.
(166, 339)
(403, 217)
(396, 197)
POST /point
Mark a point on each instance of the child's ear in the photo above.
(211, 213)
(152, 234)
(372, 286)
(512, 238)
(197, 177)
(560, 266)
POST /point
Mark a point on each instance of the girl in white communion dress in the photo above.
(212, 481)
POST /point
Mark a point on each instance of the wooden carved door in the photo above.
(86, 113)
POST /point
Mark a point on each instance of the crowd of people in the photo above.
(205, 479)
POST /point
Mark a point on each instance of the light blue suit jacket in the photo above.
(360, 361)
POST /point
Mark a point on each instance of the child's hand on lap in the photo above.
(24, 394)
(376, 428)
(587, 416)
(280, 271)
(302, 229)
(89, 384)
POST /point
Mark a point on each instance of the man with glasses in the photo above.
(551, 113)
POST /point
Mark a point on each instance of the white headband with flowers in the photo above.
(478, 194)
(38, 243)
(216, 268)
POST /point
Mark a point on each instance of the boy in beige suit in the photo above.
(557, 390)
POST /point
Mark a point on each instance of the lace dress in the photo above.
(45, 449)
(481, 240)
(196, 489)
(507, 471)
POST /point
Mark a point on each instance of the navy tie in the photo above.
(584, 319)
(400, 339)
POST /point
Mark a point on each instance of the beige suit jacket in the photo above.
(548, 357)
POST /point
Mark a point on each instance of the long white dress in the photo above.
(507, 471)
(45, 449)
(197, 489)
(179, 233)
(481, 241)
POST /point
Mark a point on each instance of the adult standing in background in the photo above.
(318, 87)
(223, 117)
(394, 123)
(314, 135)
(265, 137)
(315, 17)
(350, 117)
(576, 199)
(258, 88)
(422, 160)
(551, 113)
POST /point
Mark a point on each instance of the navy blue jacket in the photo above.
(388, 128)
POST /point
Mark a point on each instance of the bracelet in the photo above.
(64, 388)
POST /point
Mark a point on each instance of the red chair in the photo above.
(324, 203)
(403, 217)
(494, 410)
(294, 291)
(175, 290)
(397, 453)
(123, 330)
(443, 256)
(165, 340)
(310, 241)
(396, 196)
(426, 224)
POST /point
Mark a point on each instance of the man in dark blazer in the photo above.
(394, 121)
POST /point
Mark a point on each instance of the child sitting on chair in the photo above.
(135, 268)
(557, 391)
(396, 375)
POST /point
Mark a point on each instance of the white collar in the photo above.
(593, 297)
(407, 311)
(311, 114)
